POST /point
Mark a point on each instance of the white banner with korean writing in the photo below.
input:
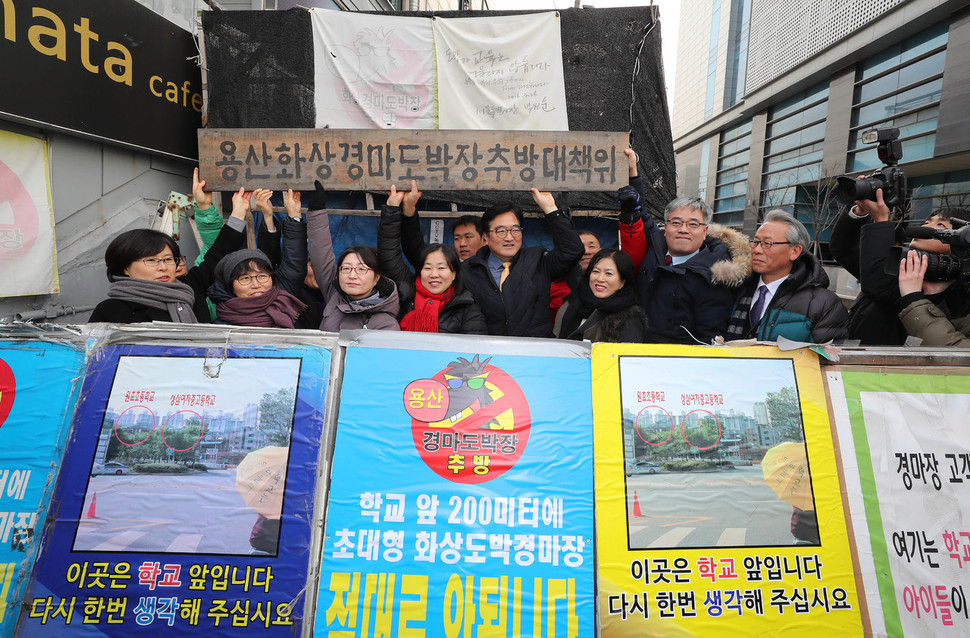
(501, 73)
(904, 444)
(27, 252)
(372, 71)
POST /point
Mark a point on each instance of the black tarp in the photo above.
(260, 75)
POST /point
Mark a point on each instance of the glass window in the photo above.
(907, 100)
(910, 48)
(799, 100)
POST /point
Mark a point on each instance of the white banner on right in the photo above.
(503, 73)
(905, 449)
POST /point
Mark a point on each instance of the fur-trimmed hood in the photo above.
(731, 272)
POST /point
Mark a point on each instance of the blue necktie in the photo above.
(758, 306)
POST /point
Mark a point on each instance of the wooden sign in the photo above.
(373, 159)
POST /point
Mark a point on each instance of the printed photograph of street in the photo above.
(714, 458)
(188, 463)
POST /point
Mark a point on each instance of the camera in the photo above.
(938, 267)
(890, 178)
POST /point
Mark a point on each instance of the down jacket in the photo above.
(689, 302)
(802, 309)
(340, 312)
(461, 315)
(924, 319)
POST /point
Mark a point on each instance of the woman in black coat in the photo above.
(605, 308)
(141, 266)
(248, 291)
(434, 299)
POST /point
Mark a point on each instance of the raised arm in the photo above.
(292, 269)
(208, 219)
(567, 246)
(412, 240)
(320, 242)
(389, 243)
(268, 237)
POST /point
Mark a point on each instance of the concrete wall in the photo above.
(98, 191)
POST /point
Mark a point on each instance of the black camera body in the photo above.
(890, 178)
(938, 267)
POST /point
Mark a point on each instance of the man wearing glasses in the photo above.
(511, 282)
(686, 299)
(787, 295)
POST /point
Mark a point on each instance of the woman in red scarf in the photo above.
(433, 300)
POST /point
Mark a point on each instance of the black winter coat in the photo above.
(628, 325)
(521, 308)
(862, 247)
(199, 278)
(682, 302)
(802, 309)
(461, 316)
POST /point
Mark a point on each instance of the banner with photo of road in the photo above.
(719, 511)
(39, 383)
(906, 455)
(461, 499)
(185, 500)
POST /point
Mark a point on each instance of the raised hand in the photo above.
(291, 202)
(411, 200)
(203, 198)
(544, 200)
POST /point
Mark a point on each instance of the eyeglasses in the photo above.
(474, 383)
(766, 244)
(181, 260)
(245, 280)
(677, 222)
(360, 270)
(154, 262)
(516, 231)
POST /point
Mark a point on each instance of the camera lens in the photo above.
(849, 190)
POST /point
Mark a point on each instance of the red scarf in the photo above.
(427, 305)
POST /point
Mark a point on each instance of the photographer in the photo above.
(861, 243)
(919, 315)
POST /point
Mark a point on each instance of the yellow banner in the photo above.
(719, 510)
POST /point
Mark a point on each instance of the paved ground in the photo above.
(733, 508)
(188, 514)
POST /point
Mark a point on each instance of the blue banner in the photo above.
(186, 497)
(38, 387)
(461, 498)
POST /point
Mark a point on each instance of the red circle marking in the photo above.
(25, 217)
(169, 420)
(8, 390)
(426, 400)
(477, 423)
(720, 431)
(154, 422)
(636, 425)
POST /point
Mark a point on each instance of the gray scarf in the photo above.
(175, 297)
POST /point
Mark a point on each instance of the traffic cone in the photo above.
(636, 506)
(94, 502)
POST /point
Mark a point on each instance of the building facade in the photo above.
(770, 107)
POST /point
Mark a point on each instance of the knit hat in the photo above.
(226, 265)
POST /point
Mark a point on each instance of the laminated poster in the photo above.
(719, 511)
(38, 387)
(906, 449)
(461, 498)
(184, 504)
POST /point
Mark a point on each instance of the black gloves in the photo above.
(630, 204)
(316, 199)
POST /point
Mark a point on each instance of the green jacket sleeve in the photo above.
(209, 222)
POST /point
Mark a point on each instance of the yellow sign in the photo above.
(719, 510)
